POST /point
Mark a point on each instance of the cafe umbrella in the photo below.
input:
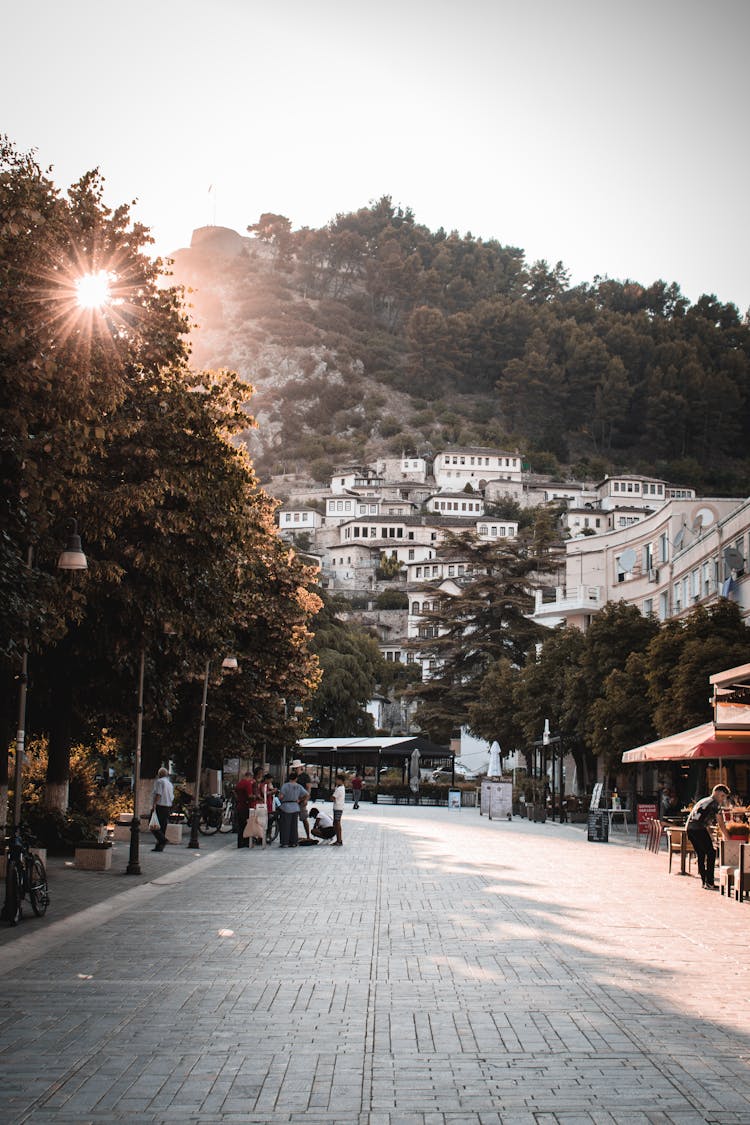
(494, 768)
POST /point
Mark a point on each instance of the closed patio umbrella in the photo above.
(414, 771)
(494, 768)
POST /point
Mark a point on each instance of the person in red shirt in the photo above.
(244, 793)
(356, 789)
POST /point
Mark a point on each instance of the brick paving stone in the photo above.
(441, 970)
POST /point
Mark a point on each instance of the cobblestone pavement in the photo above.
(437, 970)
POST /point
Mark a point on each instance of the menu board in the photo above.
(501, 800)
(598, 826)
(644, 815)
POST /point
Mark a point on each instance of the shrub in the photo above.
(392, 599)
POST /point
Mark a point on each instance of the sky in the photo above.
(609, 134)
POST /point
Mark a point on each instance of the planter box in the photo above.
(93, 857)
(122, 833)
(174, 833)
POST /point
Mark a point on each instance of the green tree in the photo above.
(468, 631)
(351, 664)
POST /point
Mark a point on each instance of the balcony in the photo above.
(574, 602)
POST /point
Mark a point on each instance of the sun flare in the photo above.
(92, 290)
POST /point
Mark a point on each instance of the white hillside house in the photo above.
(458, 466)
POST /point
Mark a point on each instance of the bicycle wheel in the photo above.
(273, 829)
(37, 884)
(206, 828)
(13, 894)
(227, 817)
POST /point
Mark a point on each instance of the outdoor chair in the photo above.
(729, 858)
(653, 836)
(742, 874)
(674, 847)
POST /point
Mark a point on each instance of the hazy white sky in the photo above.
(610, 134)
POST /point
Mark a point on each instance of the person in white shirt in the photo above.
(339, 800)
(322, 825)
(162, 796)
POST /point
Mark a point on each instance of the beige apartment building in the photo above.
(686, 552)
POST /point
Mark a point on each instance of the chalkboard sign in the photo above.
(598, 826)
(596, 795)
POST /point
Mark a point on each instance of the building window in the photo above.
(483, 529)
(339, 505)
(648, 607)
(664, 547)
(411, 554)
(419, 572)
(451, 571)
(663, 605)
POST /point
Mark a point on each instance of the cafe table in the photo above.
(611, 813)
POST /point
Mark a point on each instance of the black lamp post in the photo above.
(229, 664)
(134, 864)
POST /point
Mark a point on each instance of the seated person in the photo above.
(322, 825)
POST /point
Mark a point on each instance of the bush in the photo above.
(91, 804)
(392, 599)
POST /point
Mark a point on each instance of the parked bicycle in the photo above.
(25, 875)
(272, 830)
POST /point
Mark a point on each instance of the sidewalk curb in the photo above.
(29, 946)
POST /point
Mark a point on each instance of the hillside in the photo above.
(374, 335)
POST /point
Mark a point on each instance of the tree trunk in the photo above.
(60, 730)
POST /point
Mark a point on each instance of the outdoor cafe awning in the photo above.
(689, 745)
(372, 751)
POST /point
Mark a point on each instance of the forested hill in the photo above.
(375, 335)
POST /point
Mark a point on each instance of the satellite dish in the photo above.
(704, 517)
(734, 559)
(627, 560)
(679, 539)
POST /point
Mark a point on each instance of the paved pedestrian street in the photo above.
(439, 969)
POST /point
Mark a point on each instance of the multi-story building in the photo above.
(294, 519)
(685, 552)
(456, 466)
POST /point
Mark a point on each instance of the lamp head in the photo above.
(73, 558)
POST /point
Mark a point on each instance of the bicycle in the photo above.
(272, 831)
(24, 875)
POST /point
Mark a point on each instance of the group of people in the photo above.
(256, 793)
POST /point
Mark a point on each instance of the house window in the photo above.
(695, 579)
(483, 529)
(648, 607)
(493, 531)
(415, 607)
(664, 547)
(373, 532)
(663, 605)
(676, 597)
(339, 505)
(451, 571)
(419, 572)
(461, 568)
(399, 533)
(411, 554)
(616, 486)
(503, 531)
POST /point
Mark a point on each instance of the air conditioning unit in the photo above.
(653, 574)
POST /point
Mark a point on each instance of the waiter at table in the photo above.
(703, 814)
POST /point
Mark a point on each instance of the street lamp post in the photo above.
(193, 841)
(229, 664)
(134, 865)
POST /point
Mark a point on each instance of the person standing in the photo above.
(243, 794)
(304, 779)
(162, 797)
(356, 789)
(339, 800)
(702, 815)
(290, 795)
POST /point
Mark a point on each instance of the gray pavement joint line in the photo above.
(368, 1062)
(29, 946)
